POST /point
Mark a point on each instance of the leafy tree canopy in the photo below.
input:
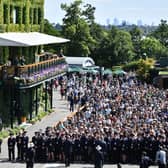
(76, 28)
(161, 33)
(152, 48)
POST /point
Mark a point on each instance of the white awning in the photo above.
(28, 39)
(80, 61)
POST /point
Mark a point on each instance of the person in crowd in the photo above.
(161, 157)
(22, 60)
(24, 145)
(99, 158)
(67, 148)
(145, 160)
(30, 154)
(18, 144)
(11, 147)
(121, 114)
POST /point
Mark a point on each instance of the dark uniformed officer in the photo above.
(145, 160)
(115, 144)
(18, 142)
(43, 148)
(67, 147)
(77, 148)
(57, 146)
(35, 140)
(84, 147)
(11, 147)
(50, 145)
(99, 158)
(24, 145)
(30, 154)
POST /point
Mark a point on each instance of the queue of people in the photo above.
(122, 116)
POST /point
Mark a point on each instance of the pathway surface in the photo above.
(60, 112)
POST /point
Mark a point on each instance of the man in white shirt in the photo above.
(161, 157)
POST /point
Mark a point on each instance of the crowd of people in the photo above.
(122, 115)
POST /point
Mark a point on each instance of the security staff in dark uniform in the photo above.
(35, 140)
(145, 160)
(123, 148)
(57, 147)
(30, 153)
(43, 148)
(115, 144)
(19, 143)
(50, 145)
(99, 158)
(11, 147)
(139, 149)
(24, 146)
(108, 140)
(84, 147)
(67, 147)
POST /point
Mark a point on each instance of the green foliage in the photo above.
(152, 48)
(116, 47)
(76, 28)
(50, 29)
(4, 134)
(136, 36)
(142, 67)
(161, 33)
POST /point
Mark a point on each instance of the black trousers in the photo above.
(11, 153)
(18, 151)
(29, 164)
(67, 160)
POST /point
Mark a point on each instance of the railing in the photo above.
(33, 73)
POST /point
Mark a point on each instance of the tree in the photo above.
(123, 50)
(115, 48)
(152, 48)
(50, 29)
(89, 13)
(136, 36)
(161, 33)
(76, 28)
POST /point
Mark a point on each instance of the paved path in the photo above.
(60, 112)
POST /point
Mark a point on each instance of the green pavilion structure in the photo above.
(26, 74)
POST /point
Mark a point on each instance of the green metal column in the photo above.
(18, 107)
(46, 96)
(12, 103)
(51, 93)
(36, 101)
(31, 104)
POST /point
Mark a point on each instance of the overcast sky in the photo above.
(148, 11)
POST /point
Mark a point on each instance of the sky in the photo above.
(148, 11)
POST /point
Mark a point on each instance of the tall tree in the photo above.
(161, 33)
(123, 50)
(76, 28)
(136, 36)
(50, 29)
(152, 48)
(115, 48)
